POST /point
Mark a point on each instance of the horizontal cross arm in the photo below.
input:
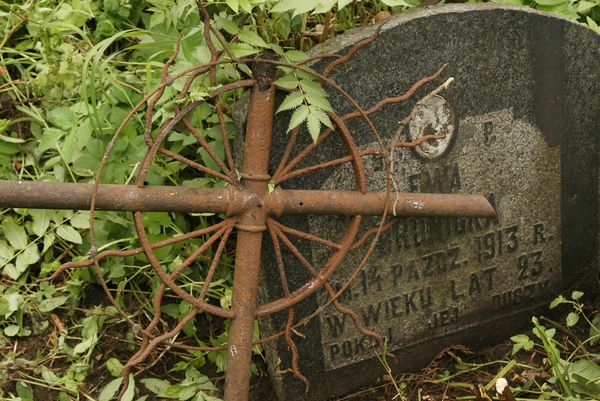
(350, 203)
(51, 195)
(46, 195)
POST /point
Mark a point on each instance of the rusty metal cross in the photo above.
(251, 206)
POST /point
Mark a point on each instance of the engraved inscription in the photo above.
(429, 277)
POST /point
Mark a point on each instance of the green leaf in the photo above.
(557, 301)
(251, 38)
(291, 101)
(314, 126)
(24, 391)
(246, 6)
(50, 139)
(322, 116)
(130, 392)
(576, 295)
(572, 319)
(396, 3)
(6, 252)
(157, 386)
(550, 2)
(298, 117)
(319, 101)
(584, 6)
(11, 331)
(85, 345)
(68, 233)
(114, 366)
(27, 257)
(311, 86)
(14, 233)
(81, 220)
(109, 391)
(227, 25)
(233, 4)
(288, 81)
(62, 117)
(10, 139)
(50, 304)
(41, 221)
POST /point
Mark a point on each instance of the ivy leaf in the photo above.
(68, 233)
(314, 126)
(298, 117)
(291, 101)
(14, 233)
(251, 38)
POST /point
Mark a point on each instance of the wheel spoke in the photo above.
(304, 235)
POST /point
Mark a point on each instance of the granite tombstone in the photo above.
(522, 128)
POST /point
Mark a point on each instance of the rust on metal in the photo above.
(248, 206)
(251, 225)
(235, 201)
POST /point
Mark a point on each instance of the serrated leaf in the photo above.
(109, 391)
(227, 25)
(14, 233)
(314, 126)
(251, 38)
(311, 86)
(298, 117)
(318, 101)
(41, 221)
(68, 233)
(288, 81)
(291, 101)
(294, 56)
(50, 304)
(572, 319)
(157, 386)
(322, 116)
